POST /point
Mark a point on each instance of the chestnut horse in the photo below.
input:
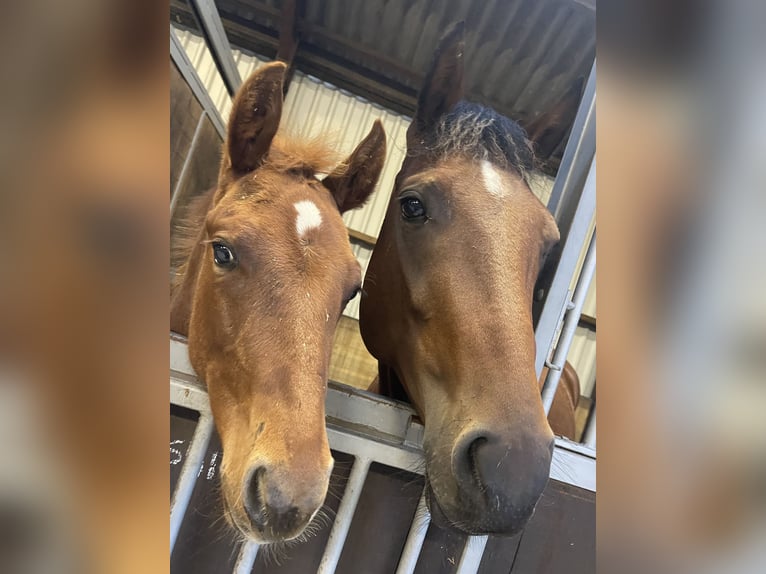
(269, 271)
(447, 304)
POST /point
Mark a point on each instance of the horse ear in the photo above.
(254, 119)
(443, 86)
(549, 128)
(354, 180)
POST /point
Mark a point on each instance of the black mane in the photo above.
(478, 132)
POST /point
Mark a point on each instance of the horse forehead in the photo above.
(494, 182)
(308, 217)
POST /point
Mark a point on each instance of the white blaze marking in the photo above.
(308, 217)
(492, 180)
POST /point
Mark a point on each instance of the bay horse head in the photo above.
(447, 304)
(269, 273)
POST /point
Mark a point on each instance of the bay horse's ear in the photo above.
(443, 85)
(549, 128)
(354, 180)
(254, 119)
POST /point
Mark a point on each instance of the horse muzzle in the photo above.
(495, 482)
(280, 507)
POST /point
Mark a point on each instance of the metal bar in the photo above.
(549, 320)
(566, 194)
(187, 163)
(349, 441)
(589, 435)
(344, 516)
(571, 320)
(246, 558)
(574, 463)
(185, 486)
(579, 150)
(181, 60)
(218, 43)
(472, 553)
(415, 538)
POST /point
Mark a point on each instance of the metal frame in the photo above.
(372, 429)
(558, 298)
(181, 60)
(212, 28)
(572, 318)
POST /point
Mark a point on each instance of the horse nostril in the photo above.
(473, 465)
(271, 505)
(253, 502)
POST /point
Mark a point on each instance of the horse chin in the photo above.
(439, 516)
(262, 537)
(441, 519)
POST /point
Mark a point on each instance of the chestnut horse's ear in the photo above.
(443, 85)
(549, 128)
(354, 180)
(254, 119)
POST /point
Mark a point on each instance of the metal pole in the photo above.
(589, 436)
(181, 60)
(344, 516)
(579, 150)
(187, 163)
(571, 320)
(415, 538)
(215, 35)
(246, 558)
(185, 486)
(472, 553)
(557, 299)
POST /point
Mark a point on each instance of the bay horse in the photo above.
(268, 273)
(447, 304)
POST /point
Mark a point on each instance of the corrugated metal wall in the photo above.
(314, 107)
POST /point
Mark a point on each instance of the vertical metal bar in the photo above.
(246, 558)
(571, 320)
(185, 486)
(181, 60)
(548, 323)
(566, 196)
(218, 43)
(415, 538)
(344, 516)
(472, 553)
(579, 149)
(187, 162)
(589, 436)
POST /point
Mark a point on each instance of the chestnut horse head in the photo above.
(447, 304)
(269, 273)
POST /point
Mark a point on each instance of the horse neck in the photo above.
(182, 292)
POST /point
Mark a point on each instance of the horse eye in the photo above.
(223, 255)
(412, 208)
(350, 296)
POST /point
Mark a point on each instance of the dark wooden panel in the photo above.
(206, 543)
(185, 111)
(499, 555)
(381, 522)
(301, 558)
(182, 424)
(441, 551)
(561, 537)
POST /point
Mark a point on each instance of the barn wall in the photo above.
(314, 107)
